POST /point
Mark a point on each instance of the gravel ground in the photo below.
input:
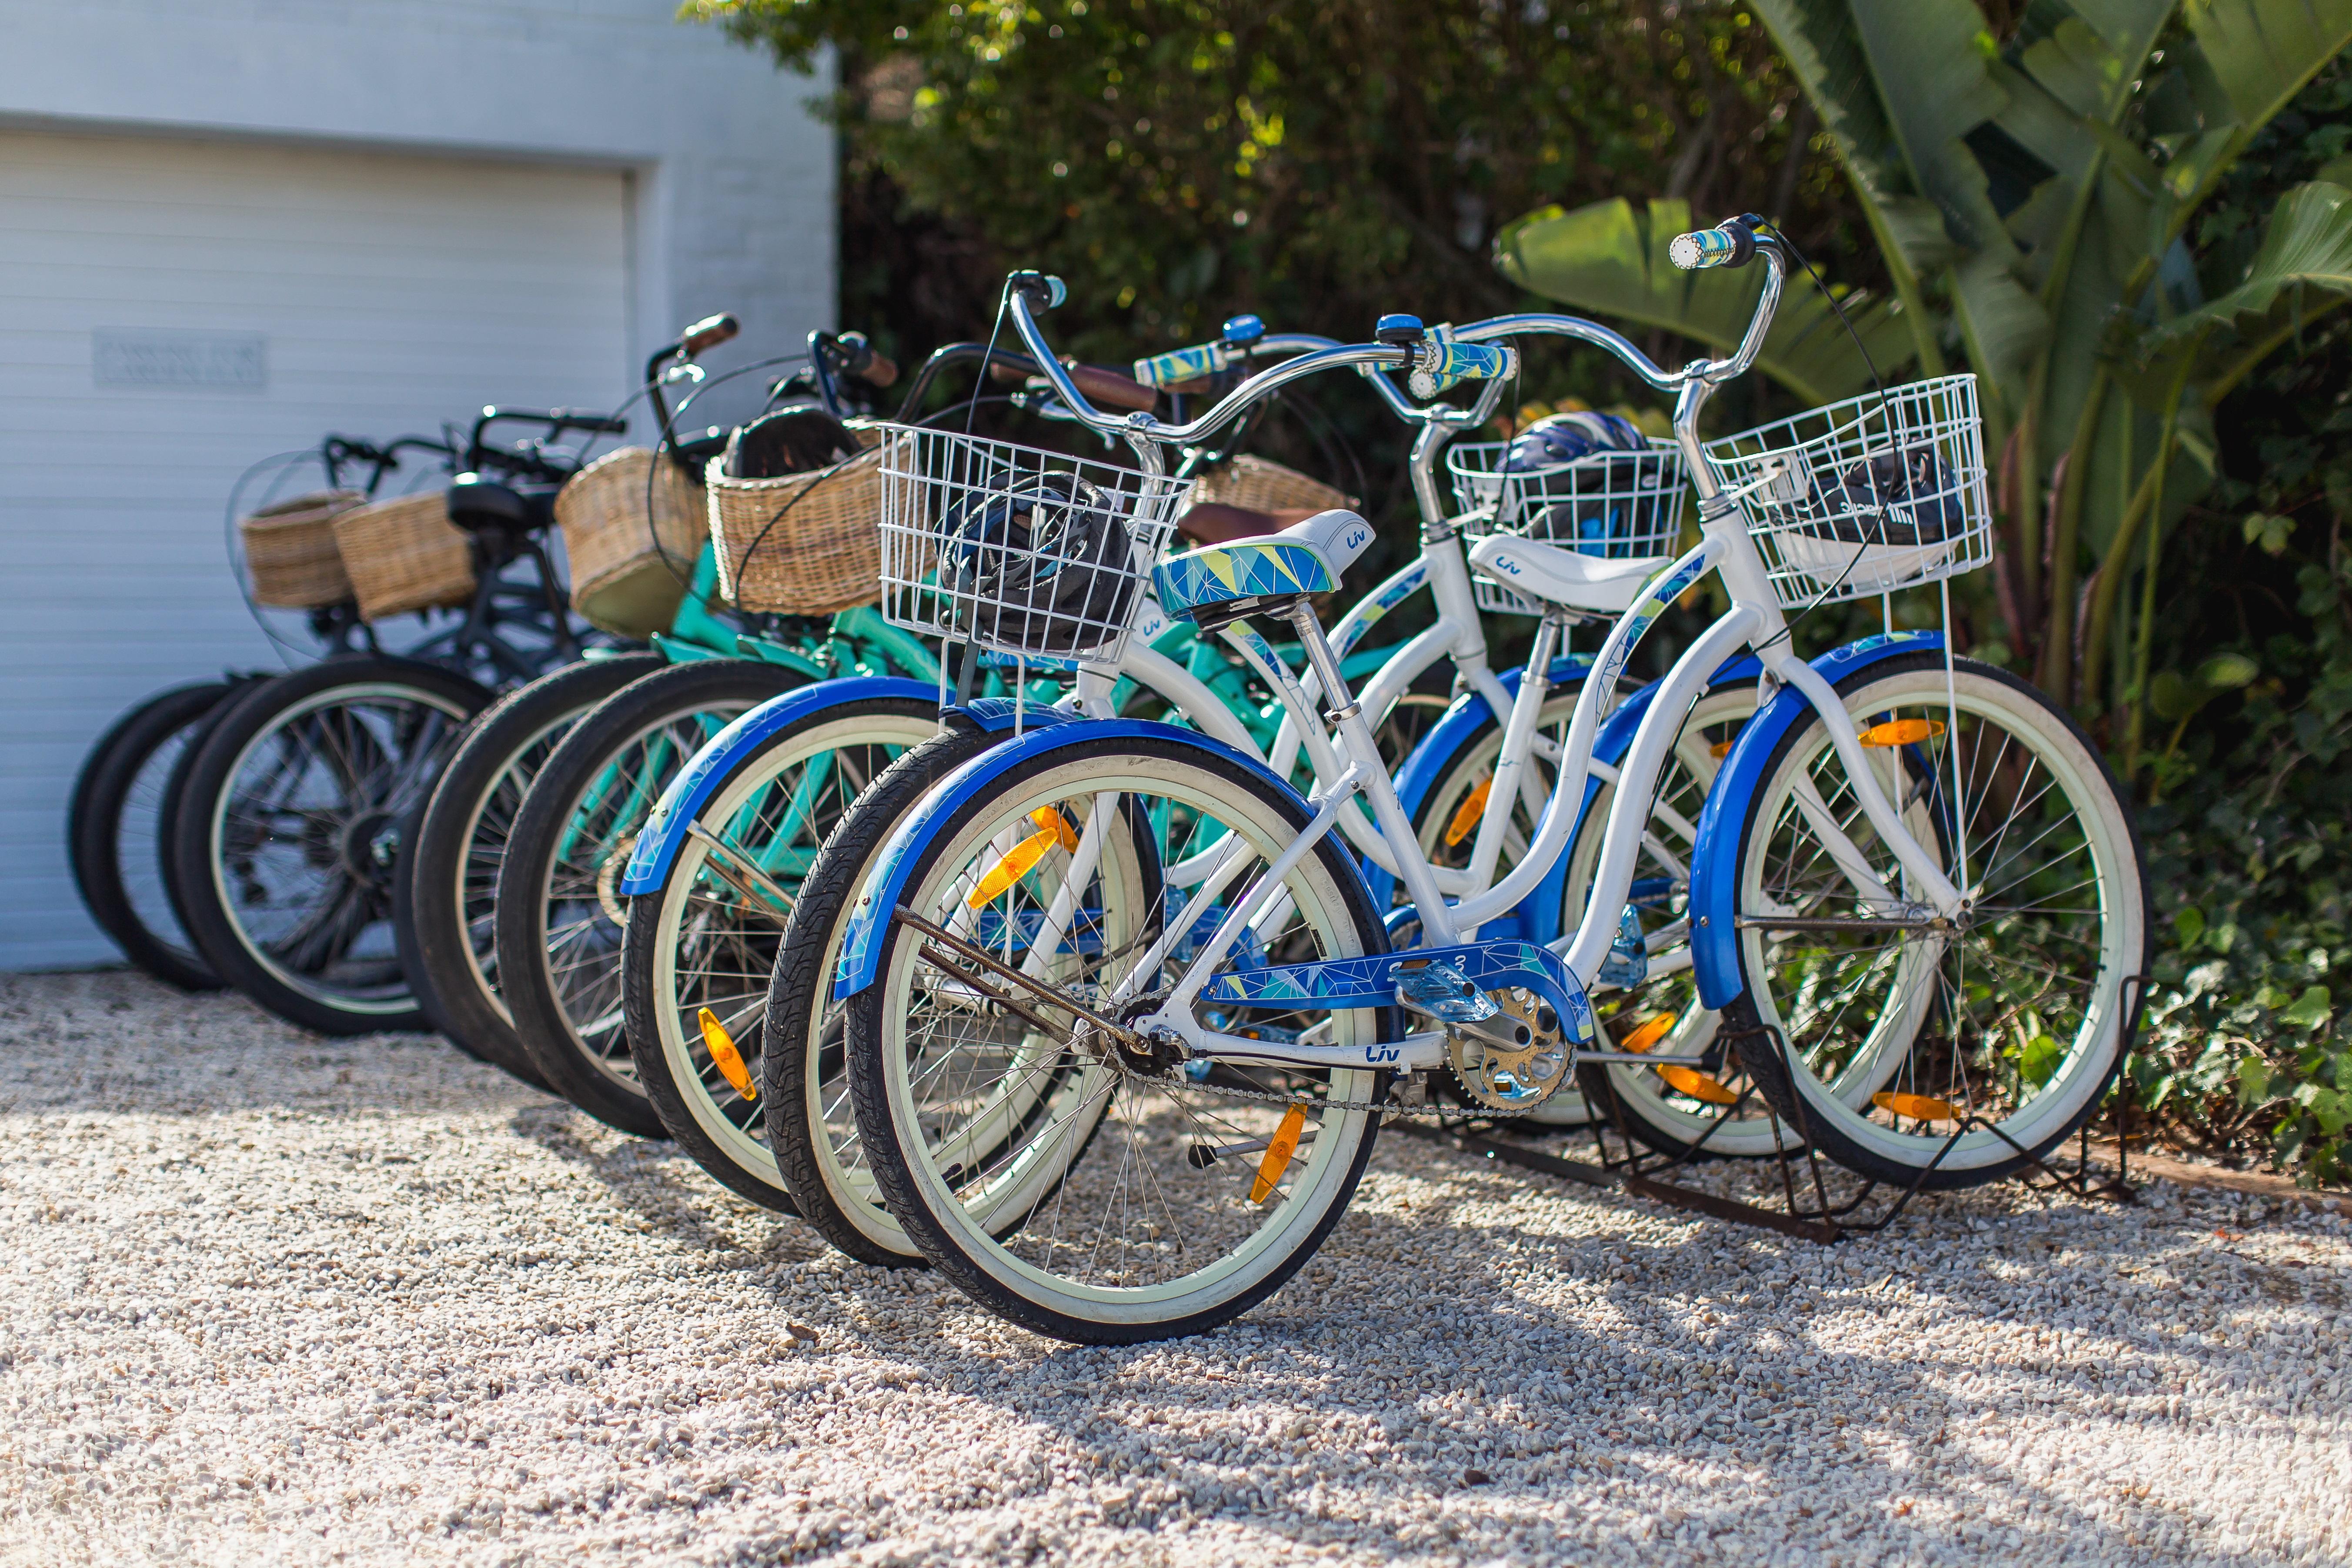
(269, 1298)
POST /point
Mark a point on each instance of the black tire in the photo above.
(370, 732)
(546, 893)
(1836, 1120)
(687, 945)
(802, 1020)
(116, 830)
(443, 893)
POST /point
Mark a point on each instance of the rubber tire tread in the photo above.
(207, 774)
(539, 1022)
(833, 879)
(429, 925)
(93, 825)
(870, 1091)
(1762, 1058)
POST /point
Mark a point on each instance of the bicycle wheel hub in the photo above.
(370, 845)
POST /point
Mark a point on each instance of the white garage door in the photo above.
(172, 310)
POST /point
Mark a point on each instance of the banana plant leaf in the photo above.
(1610, 260)
(2303, 270)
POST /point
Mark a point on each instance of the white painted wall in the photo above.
(419, 206)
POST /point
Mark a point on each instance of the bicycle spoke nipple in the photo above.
(721, 1047)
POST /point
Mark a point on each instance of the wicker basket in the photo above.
(1258, 485)
(291, 554)
(627, 576)
(406, 556)
(805, 544)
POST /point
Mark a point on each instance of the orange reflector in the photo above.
(1654, 1029)
(1278, 1151)
(1697, 1085)
(1022, 858)
(1902, 731)
(1466, 814)
(722, 1046)
(1722, 749)
(1053, 822)
(1918, 1107)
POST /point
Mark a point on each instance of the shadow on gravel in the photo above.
(659, 1183)
(1553, 1406)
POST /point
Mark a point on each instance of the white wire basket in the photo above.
(1865, 497)
(1015, 550)
(1613, 504)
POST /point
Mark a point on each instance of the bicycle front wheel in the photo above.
(707, 938)
(1949, 1053)
(978, 1111)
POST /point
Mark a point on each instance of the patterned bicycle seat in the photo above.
(1306, 557)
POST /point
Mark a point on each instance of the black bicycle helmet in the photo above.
(1044, 565)
(1906, 498)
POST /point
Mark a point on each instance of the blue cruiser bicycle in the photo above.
(1124, 1016)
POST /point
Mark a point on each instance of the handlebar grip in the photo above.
(1113, 390)
(878, 371)
(707, 333)
(1730, 244)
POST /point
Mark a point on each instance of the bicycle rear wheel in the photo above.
(1948, 1054)
(289, 826)
(559, 919)
(115, 831)
(445, 890)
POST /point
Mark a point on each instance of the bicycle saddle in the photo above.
(1602, 585)
(1305, 558)
(480, 505)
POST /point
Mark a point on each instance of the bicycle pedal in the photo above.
(1628, 964)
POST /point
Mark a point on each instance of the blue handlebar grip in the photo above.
(1708, 248)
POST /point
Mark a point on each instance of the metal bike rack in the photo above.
(1824, 1222)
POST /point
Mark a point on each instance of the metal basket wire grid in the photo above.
(1864, 497)
(1016, 549)
(1617, 504)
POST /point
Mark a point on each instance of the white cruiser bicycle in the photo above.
(1124, 1019)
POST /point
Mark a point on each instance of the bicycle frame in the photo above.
(1754, 622)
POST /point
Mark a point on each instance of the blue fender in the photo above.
(664, 834)
(861, 951)
(1714, 898)
(1536, 919)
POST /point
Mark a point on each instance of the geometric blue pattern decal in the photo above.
(1341, 983)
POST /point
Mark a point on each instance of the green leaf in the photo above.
(2227, 672)
(2262, 52)
(1609, 259)
(2272, 533)
(2188, 925)
(1932, 59)
(2306, 250)
(2254, 1080)
(2331, 1110)
(2038, 1059)
(2004, 325)
(2310, 1010)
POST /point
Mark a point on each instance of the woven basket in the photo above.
(1258, 485)
(628, 576)
(406, 556)
(804, 545)
(291, 554)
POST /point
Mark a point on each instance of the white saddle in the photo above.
(1602, 585)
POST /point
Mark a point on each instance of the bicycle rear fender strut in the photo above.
(884, 890)
(1714, 896)
(665, 832)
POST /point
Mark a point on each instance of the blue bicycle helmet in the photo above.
(1592, 482)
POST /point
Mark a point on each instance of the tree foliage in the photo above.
(1316, 161)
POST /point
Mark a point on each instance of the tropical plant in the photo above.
(2035, 202)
